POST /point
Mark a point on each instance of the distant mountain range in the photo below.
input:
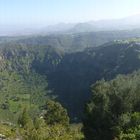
(127, 23)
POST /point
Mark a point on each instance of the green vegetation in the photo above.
(77, 71)
(69, 74)
(36, 77)
(55, 114)
(18, 92)
(41, 118)
(51, 124)
(113, 111)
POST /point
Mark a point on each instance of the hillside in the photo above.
(72, 42)
(76, 72)
(69, 75)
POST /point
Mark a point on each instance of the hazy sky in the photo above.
(54, 11)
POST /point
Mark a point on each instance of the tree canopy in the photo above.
(113, 111)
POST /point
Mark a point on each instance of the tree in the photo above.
(25, 120)
(110, 112)
(55, 114)
(97, 121)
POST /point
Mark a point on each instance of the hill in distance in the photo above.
(127, 23)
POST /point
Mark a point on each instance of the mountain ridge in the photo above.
(126, 23)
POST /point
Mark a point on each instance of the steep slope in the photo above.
(76, 72)
(20, 85)
(70, 75)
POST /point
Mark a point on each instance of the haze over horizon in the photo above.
(48, 12)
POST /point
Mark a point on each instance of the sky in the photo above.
(46, 12)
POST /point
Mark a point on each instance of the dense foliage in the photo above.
(19, 91)
(114, 109)
(77, 71)
(51, 124)
(69, 74)
(30, 67)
